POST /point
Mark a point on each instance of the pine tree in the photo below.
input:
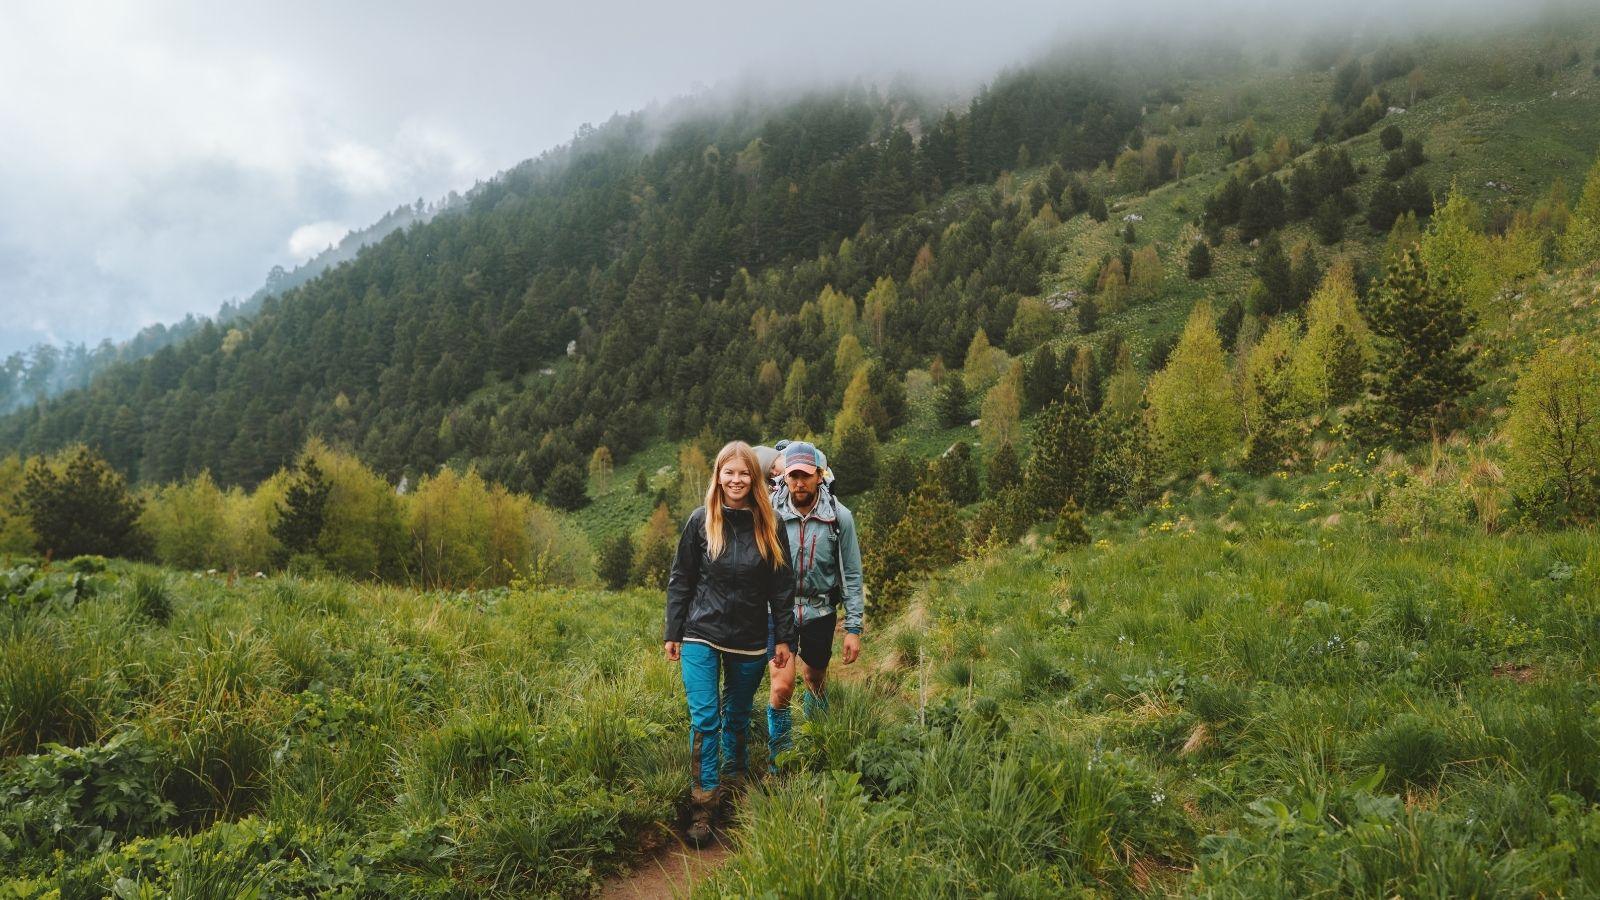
(1337, 346)
(855, 459)
(566, 488)
(958, 472)
(1063, 451)
(1275, 288)
(1070, 528)
(303, 512)
(80, 505)
(1004, 471)
(615, 562)
(1328, 222)
(1263, 209)
(1422, 365)
(952, 402)
(1097, 208)
(1199, 260)
(1088, 316)
(1041, 380)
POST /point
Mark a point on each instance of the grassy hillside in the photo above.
(1256, 688)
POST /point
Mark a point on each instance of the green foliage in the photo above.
(151, 598)
(76, 504)
(1063, 452)
(44, 697)
(1581, 244)
(567, 489)
(16, 534)
(1422, 362)
(1554, 429)
(855, 457)
(1003, 470)
(1198, 264)
(1337, 348)
(951, 402)
(653, 563)
(615, 562)
(303, 513)
(84, 799)
(1268, 397)
(927, 538)
(1193, 412)
(957, 471)
(1070, 528)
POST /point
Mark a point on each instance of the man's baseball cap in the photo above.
(801, 456)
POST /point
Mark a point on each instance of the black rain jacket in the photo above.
(727, 601)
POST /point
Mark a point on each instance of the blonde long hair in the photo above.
(760, 505)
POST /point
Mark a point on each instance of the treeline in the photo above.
(1392, 363)
(46, 370)
(651, 257)
(326, 514)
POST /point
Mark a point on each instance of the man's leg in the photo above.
(816, 651)
(779, 738)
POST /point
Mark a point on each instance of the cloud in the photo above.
(158, 153)
(309, 240)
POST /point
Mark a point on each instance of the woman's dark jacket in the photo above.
(726, 601)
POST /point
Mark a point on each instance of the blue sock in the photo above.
(814, 703)
(779, 737)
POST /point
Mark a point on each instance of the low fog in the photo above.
(161, 157)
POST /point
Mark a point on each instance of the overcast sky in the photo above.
(158, 157)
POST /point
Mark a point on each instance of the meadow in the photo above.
(1260, 687)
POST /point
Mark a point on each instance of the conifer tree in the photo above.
(1063, 452)
(1070, 529)
(1193, 411)
(1337, 347)
(1581, 244)
(855, 459)
(1088, 316)
(1267, 391)
(1328, 222)
(77, 504)
(959, 474)
(1004, 471)
(1422, 373)
(1041, 380)
(567, 488)
(1274, 291)
(615, 563)
(1199, 264)
(303, 511)
(952, 402)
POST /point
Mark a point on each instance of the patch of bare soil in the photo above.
(671, 872)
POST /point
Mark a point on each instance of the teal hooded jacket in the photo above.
(825, 559)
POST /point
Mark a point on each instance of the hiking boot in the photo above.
(702, 808)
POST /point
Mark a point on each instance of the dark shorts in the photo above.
(816, 641)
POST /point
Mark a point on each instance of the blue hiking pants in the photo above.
(720, 688)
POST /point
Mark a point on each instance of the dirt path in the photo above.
(671, 872)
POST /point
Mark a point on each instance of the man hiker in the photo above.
(827, 571)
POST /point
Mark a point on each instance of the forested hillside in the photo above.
(654, 252)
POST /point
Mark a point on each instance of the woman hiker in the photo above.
(730, 577)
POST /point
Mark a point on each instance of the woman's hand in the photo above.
(672, 649)
(780, 656)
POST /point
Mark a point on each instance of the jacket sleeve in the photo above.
(685, 577)
(780, 592)
(850, 572)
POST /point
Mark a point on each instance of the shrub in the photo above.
(85, 798)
